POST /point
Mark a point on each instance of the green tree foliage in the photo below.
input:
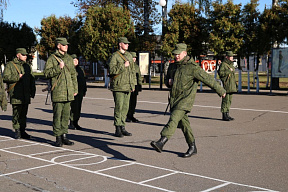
(226, 27)
(101, 30)
(135, 7)
(52, 27)
(13, 36)
(187, 25)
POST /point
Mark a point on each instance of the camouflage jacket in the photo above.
(227, 76)
(24, 89)
(185, 75)
(138, 87)
(122, 78)
(66, 85)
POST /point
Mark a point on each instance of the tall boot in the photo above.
(118, 132)
(76, 125)
(17, 134)
(225, 117)
(24, 135)
(59, 142)
(124, 132)
(231, 118)
(158, 145)
(191, 150)
(66, 141)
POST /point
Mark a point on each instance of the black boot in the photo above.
(134, 120)
(231, 118)
(158, 146)
(58, 141)
(24, 135)
(191, 151)
(71, 125)
(225, 117)
(66, 141)
(118, 132)
(76, 125)
(17, 134)
(124, 132)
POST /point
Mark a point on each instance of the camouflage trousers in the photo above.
(132, 104)
(226, 103)
(178, 118)
(19, 115)
(121, 100)
(61, 114)
(76, 106)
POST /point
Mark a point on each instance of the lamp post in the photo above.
(163, 4)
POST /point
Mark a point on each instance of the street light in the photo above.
(163, 4)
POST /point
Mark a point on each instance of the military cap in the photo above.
(123, 40)
(229, 53)
(134, 54)
(179, 48)
(74, 56)
(22, 51)
(62, 41)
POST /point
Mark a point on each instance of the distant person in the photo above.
(21, 88)
(134, 94)
(76, 105)
(61, 70)
(3, 97)
(226, 73)
(280, 61)
(183, 77)
(122, 83)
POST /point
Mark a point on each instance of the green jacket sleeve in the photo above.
(50, 69)
(10, 73)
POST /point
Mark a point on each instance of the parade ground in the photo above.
(247, 154)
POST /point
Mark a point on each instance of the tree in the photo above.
(135, 7)
(226, 29)
(186, 25)
(52, 27)
(3, 5)
(251, 25)
(13, 36)
(101, 30)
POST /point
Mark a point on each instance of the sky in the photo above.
(33, 11)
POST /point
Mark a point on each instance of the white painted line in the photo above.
(19, 146)
(128, 181)
(203, 106)
(217, 187)
(46, 152)
(6, 140)
(155, 178)
(115, 167)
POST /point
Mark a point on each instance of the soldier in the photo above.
(227, 75)
(21, 88)
(182, 78)
(60, 69)
(77, 103)
(133, 96)
(123, 81)
(3, 98)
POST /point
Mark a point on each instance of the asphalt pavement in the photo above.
(247, 154)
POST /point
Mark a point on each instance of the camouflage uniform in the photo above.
(185, 75)
(123, 81)
(229, 83)
(21, 90)
(3, 98)
(134, 94)
(63, 93)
